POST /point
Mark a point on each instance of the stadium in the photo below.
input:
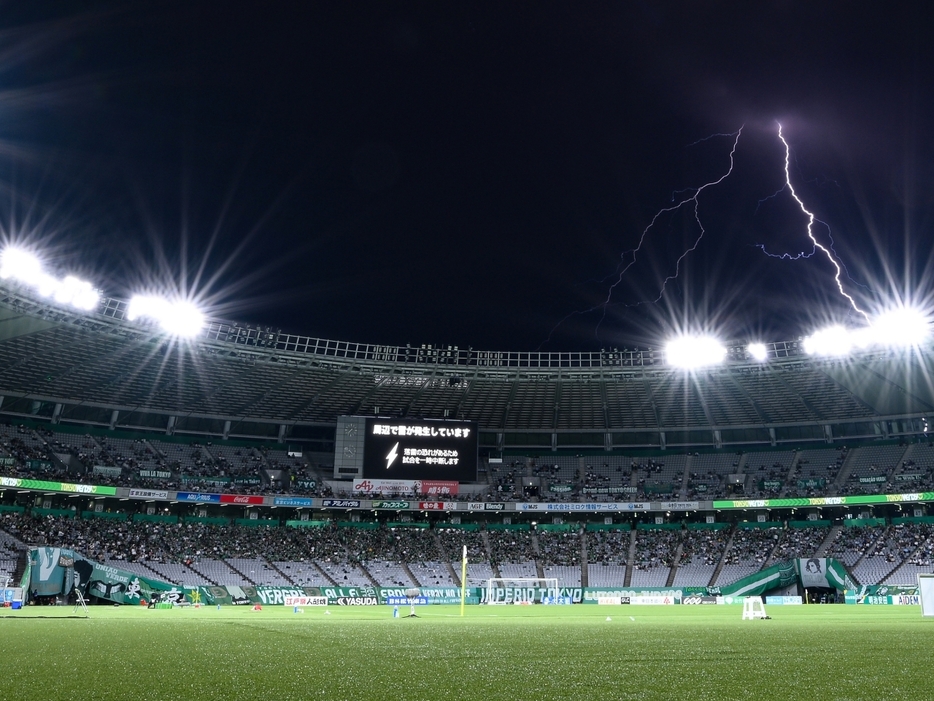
(210, 464)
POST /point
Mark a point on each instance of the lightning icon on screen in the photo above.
(392, 455)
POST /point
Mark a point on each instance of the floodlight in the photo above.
(20, 265)
(27, 268)
(902, 327)
(180, 318)
(690, 352)
(185, 319)
(758, 351)
(77, 293)
(833, 340)
(142, 305)
(46, 284)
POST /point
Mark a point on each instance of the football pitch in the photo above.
(494, 652)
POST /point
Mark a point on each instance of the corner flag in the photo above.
(463, 580)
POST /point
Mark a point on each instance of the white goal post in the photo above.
(521, 590)
(926, 592)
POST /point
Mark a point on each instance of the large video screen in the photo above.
(420, 450)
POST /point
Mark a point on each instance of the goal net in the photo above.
(521, 590)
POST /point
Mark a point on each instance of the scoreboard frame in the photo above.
(420, 449)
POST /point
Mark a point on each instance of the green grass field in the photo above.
(505, 652)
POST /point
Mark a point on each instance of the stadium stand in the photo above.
(701, 552)
(94, 399)
(656, 551)
(748, 550)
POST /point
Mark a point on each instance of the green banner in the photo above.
(41, 485)
(780, 575)
(435, 595)
(381, 504)
(27, 576)
(120, 586)
(59, 571)
(823, 501)
(883, 595)
(822, 572)
(48, 567)
(275, 596)
(511, 595)
(592, 595)
(812, 483)
(873, 479)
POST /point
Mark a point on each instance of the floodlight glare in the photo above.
(833, 340)
(185, 320)
(690, 352)
(24, 266)
(77, 293)
(902, 327)
(20, 265)
(180, 318)
(757, 351)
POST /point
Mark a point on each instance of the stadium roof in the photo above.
(98, 368)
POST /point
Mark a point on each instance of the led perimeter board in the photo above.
(420, 449)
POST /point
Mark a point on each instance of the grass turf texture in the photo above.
(505, 652)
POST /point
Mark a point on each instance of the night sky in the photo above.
(475, 174)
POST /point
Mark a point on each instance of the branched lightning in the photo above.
(803, 254)
(681, 198)
(708, 138)
(810, 229)
(621, 271)
(786, 256)
(700, 225)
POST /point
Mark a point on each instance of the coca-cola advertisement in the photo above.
(240, 499)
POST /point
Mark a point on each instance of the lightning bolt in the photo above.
(685, 197)
(392, 455)
(693, 198)
(810, 229)
(802, 254)
(622, 270)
